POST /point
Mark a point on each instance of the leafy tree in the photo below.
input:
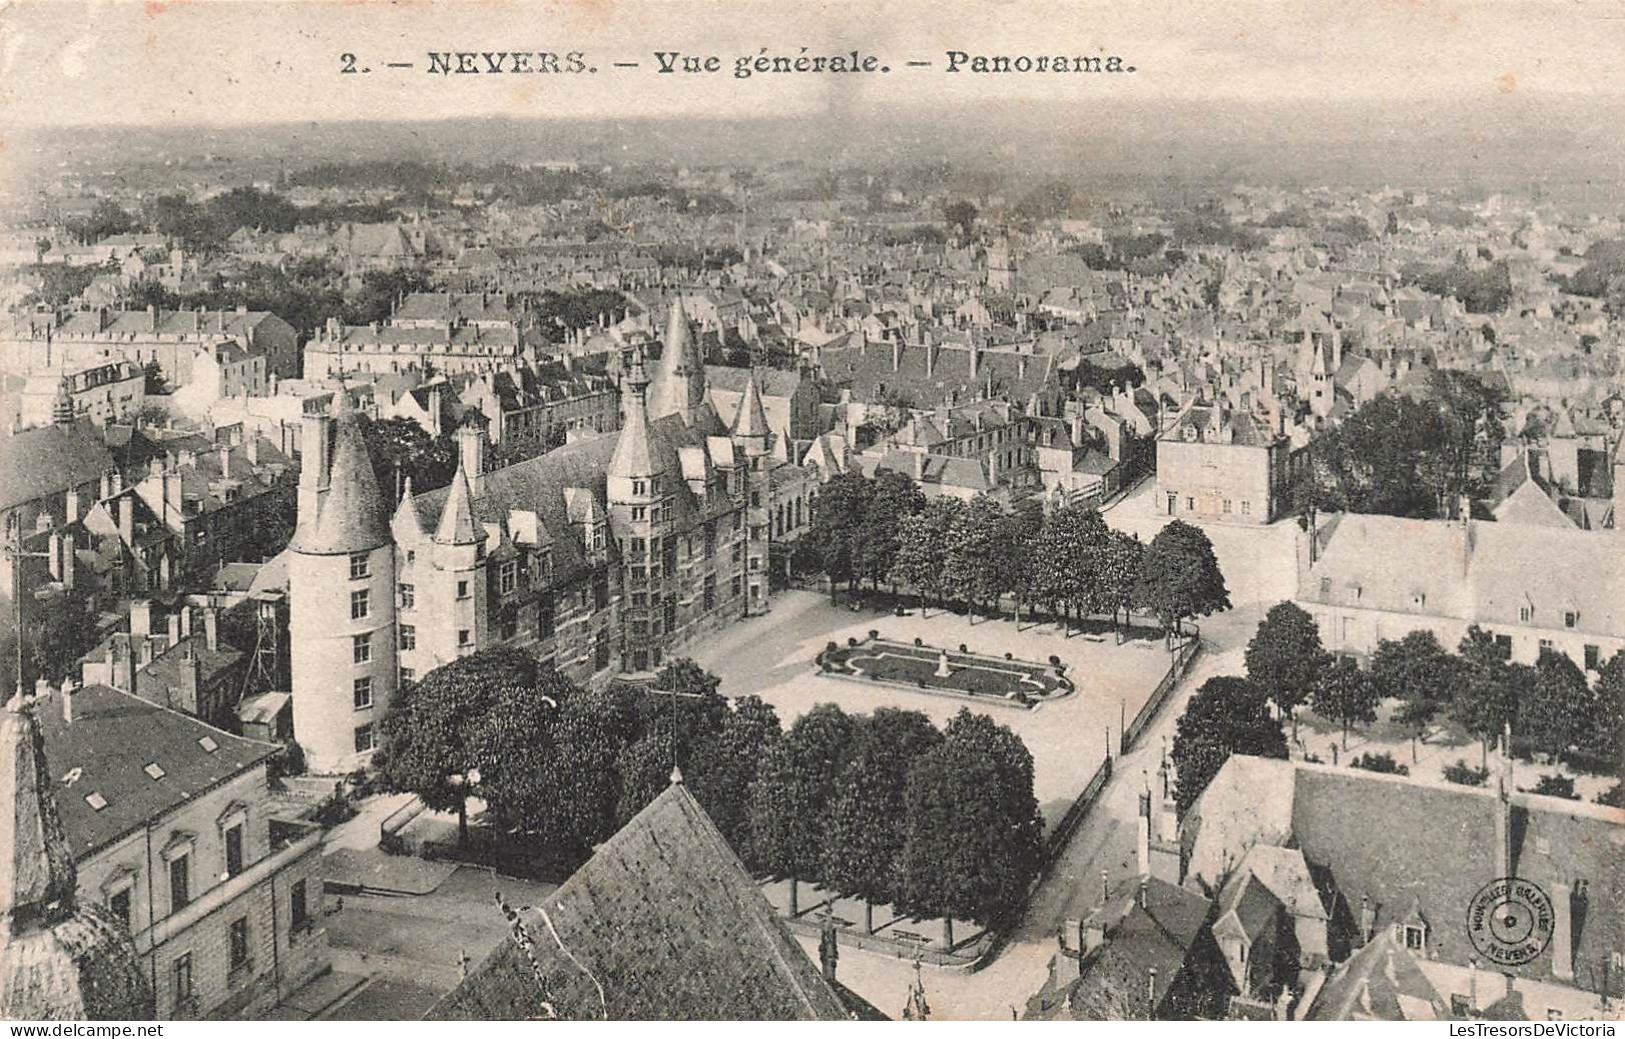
(430, 735)
(1401, 456)
(1179, 576)
(679, 712)
(513, 741)
(1561, 707)
(1607, 737)
(961, 216)
(401, 449)
(975, 837)
(1016, 558)
(107, 218)
(1485, 697)
(795, 788)
(1285, 657)
(1061, 575)
(893, 497)
(1419, 673)
(722, 770)
(1047, 201)
(156, 384)
(57, 630)
(922, 547)
(839, 518)
(1117, 572)
(593, 728)
(1345, 694)
(868, 819)
(976, 561)
(1227, 715)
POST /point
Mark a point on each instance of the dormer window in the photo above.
(1416, 937)
(1571, 618)
(1526, 614)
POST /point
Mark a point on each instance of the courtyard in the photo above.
(774, 656)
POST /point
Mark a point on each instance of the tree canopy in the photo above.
(1179, 576)
(1227, 715)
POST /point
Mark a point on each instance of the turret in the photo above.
(341, 588)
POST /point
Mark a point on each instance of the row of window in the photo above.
(1227, 506)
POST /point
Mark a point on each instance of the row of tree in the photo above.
(884, 807)
(1068, 562)
(1549, 706)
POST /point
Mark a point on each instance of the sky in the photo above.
(224, 62)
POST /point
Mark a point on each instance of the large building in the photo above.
(447, 332)
(1366, 578)
(1218, 464)
(62, 958)
(172, 829)
(76, 340)
(601, 556)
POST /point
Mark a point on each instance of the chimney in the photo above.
(174, 628)
(122, 657)
(1562, 936)
(251, 445)
(1368, 918)
(1503, 808)
(471, 448)
(126, 518)
(225, 459)
(140, 618)
(211, 627)
(71, 506)
(896, 354)
(67, 700)
(1093, 933)
(1151, 993)
(1142, 844)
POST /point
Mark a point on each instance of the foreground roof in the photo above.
(667, 921)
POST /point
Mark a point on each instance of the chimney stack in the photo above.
(141, 618)
(1142, 843)
(67, 700)
(211, 627)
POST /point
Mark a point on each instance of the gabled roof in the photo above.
(664, 922)
(1114, 981)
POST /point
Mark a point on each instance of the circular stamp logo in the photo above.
(1510, 921)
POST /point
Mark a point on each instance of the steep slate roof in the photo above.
(666, 919)
(1115, 979)
(46, 460)
(1408, 845)
(1380, 982)
(105, 750)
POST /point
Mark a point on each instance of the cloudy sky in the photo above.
(144, 62)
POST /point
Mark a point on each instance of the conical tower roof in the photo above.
(751, 421)
(457, 526)
(59, 961)
(679, 384)
(406, 513)
(633, 455)
(352, 514)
